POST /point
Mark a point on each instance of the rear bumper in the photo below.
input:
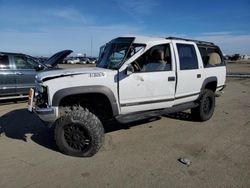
(219, 91)
(220, 88)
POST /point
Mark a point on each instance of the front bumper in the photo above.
(47, 114)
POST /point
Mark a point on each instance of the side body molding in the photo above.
(87, 89)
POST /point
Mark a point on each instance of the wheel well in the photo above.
(96, 103)
(211, 85)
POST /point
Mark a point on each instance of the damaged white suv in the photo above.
(136, 78)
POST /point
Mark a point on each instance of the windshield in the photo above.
(117, 51)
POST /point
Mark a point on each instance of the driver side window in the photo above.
(157, 58)
(23, 62)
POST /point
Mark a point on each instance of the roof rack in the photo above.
(196, 41)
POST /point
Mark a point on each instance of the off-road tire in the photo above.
(205, 110)
(85, 130)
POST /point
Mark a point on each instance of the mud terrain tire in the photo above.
(79, 133)
(205, 110)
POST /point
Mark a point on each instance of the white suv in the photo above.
(135, 78)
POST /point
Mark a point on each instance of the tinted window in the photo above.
(4, 62)
(187, 56)
(210, 56)
(23, 62)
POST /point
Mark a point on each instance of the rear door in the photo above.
(7, 76)
(190, 73)
(25, 69)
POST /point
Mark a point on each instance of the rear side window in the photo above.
(211, 56)
(4, 62)
(187, 57)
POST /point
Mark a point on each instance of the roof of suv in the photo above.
(146, 39)
(196, 41)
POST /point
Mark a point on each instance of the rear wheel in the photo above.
(79, 133)
(205, 110)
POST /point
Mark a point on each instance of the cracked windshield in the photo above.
(116, 51)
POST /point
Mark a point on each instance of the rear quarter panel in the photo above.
(218, 71)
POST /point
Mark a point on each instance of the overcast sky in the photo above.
(42, 27)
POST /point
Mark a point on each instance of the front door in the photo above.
(152, 86)
(25, 73)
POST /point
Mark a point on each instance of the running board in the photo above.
(136, 116)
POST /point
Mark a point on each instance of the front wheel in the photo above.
(79, 133)
(205, 110)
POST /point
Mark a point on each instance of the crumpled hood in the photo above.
(50, 74)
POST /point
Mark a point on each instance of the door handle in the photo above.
(198, 75)
(171, 78)
(19, 73)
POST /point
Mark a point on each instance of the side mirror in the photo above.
(39, 67)
(130, 69)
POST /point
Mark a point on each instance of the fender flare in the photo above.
(207, 80)
(60, 94)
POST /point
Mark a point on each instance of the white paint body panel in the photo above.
(78, 78)
(146, 87)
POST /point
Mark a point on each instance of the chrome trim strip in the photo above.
(146, 102)
(14, 97)
(157, 101)
(185, 96)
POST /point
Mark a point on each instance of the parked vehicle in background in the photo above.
(92, 60)
(226, 57)
(18, 71)
(65, 60)
(84, 60)
(73, 60)
(136, 78)
(245, 57)
(80, 60)
(41, 59)
(235, 57)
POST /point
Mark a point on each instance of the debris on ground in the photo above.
(185, 161)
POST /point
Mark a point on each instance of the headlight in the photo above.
(41, 96)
